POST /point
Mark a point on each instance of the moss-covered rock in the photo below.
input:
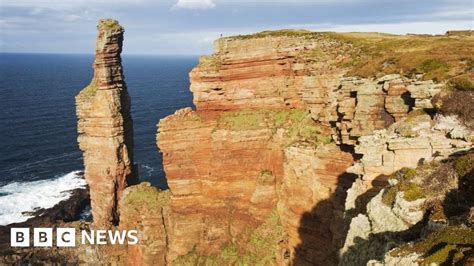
(89, 91)
(109, 25)
(257, 246)
(464, 165)
(446, 247)
(404, 183)
(297, 124)
(144, 197)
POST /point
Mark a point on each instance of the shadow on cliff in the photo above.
(377, 245)
(458, 202)
(456, 206)
(323, 230)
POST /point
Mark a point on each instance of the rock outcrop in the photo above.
(422, 217)
(311, 201)
(145, 209)
(105, 127)
(229, 163)
(284, 160)
(225, 169)
(246, 150)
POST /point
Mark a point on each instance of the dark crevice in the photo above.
(408, 100)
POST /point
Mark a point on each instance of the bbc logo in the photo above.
(43, 237)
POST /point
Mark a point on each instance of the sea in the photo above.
(40, 161)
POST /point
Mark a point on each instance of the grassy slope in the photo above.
(440, 57)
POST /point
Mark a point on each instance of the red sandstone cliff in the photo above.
(105, 127)
(275, 160)
(251, 146)
(267, 109)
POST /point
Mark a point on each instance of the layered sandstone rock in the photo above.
(232, 160)
(225, 161)
(273, 72)
(224, 170)
(105, 127)
(422, 211)
(361, 106)
(311, 204)
(145, 209)
(408, 143)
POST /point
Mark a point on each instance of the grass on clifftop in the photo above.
(442, 57)
(145, 196)
(439, 57)
(110, 24)
(276, 33)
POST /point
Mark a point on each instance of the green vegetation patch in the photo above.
(145, 196)
(444, 247)
(297, 123)
(89, 90)
(432, 64)
(411, 191)
(277, 33)
(110, 25)
(244, 120)
(464, 165)
(438, 57)
(257, 246)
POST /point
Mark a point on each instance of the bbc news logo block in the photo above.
(20, 237)
(66, 237)
(43, 237)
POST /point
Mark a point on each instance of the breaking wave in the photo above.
(19, 199)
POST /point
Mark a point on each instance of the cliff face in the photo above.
(105, 127)
(277, 126)
(423, 216)
(284, 160)
(228, 163)
(276, 72)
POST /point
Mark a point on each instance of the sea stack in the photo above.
(105, 127)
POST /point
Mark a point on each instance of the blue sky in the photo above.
(190, 26)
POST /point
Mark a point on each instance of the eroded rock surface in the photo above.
(232, 160)
(105, 127)
(277, 138)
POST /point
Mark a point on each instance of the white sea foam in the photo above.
(18, 197)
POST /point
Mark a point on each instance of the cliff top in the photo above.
(372, 54)
(370, 35)
(109, 25)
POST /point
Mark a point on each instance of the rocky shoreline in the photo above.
(66, 211)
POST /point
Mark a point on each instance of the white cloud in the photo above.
(194, 4)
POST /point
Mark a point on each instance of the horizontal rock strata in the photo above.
(105, 127)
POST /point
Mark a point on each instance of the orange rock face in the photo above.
(105, 127)
(230, 163)
(311, 201)
(221, 179)
(276, 72)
